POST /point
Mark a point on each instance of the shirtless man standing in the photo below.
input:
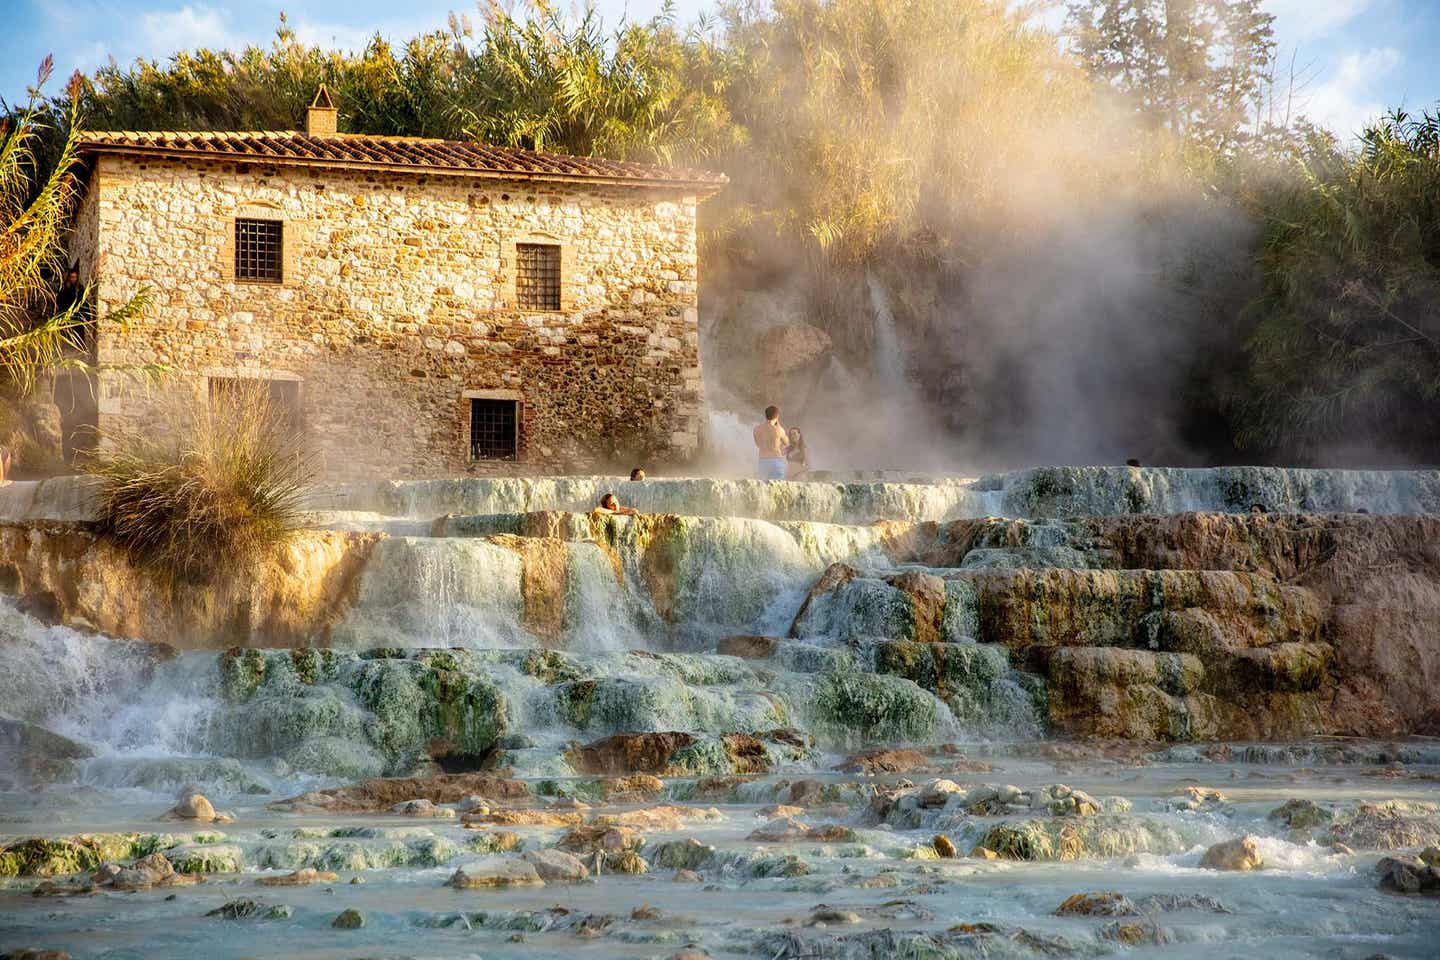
(771, 441)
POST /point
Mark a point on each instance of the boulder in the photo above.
(943, 846)
(626, 753)
(421, 807)
(351, 919)
(496, 871)
(1301, 814)
(557, 866)
(299, 878)
(781, 830)
(885, 761)
(246, 909)
(193, 806)
(1108, 904)
(1391, 825)
(1239, 854)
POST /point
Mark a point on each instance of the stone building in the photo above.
(425, 307)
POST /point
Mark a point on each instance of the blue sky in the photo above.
(1356, 57)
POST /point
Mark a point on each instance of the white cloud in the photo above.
(1350, 96)
(1308, 19)
(332, 35)
(185, 29)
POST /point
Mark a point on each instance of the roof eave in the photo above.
(700, 188)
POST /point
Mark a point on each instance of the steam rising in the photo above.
(1009, 267)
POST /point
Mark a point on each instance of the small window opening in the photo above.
(494, 429)
(537, 276)
(259, 250)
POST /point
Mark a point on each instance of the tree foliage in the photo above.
(38, 188)
(1194, 67)
(1344, 347)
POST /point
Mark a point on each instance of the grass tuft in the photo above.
(219, 493)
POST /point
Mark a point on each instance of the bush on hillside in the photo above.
(219, 493)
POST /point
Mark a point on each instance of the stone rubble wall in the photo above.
(397, 300)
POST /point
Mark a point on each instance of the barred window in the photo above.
(259, 246)
(494, 429)
(537, 276)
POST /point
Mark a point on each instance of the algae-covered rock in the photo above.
(687, 854)
(873, 709)
(494, 841)
(786, 865)
(1108, 904)
(247, 909)
(351, 919)
(1069, 838)
(62, 856)
(207, 858)
(1301, 815)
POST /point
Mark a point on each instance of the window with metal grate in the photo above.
(537, 276)
(494, 429)
(259, 250)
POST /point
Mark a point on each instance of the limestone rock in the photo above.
(246, 909)
(193, 806)
(885, 761)
(299, 878)
(1301, 814)
(351, 919)
(1109, 904)
(557, 866)
(421, 807)
(496, 871)
(1408, 875)
(684, 855)
(1239, 854)
(943, 846)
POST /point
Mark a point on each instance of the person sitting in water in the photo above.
(610, 504)
(1257, 509)
(797, 456)
(771, 442)
(637, 474)
(1132, 462)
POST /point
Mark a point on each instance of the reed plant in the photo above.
(219, 493)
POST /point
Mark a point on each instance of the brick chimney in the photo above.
(320, 119)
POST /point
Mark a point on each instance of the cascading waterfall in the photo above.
(786, 699)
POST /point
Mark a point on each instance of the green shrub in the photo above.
(217, 494)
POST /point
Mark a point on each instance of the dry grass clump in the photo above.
(219, 493)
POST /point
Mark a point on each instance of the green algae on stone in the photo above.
(242, 670)
(207, 858)
(1079, 838)
(495, 841)
(63, 856)
(550, 667)
(873, 708)
(687, 854)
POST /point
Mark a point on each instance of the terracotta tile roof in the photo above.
(410, 154)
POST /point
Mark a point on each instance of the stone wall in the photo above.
(398, 305)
